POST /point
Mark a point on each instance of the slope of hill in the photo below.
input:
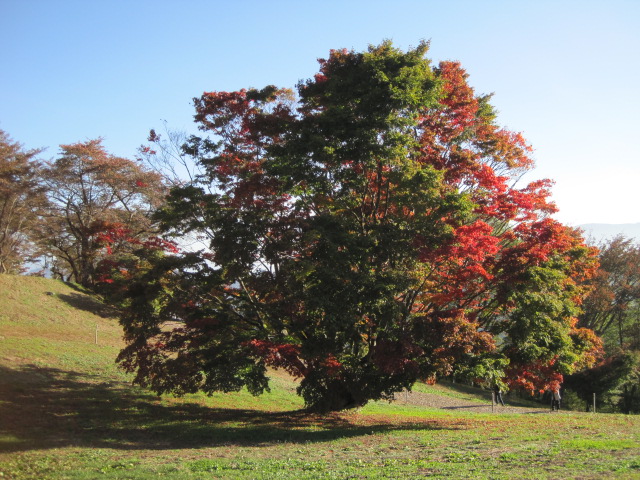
(67, 412)
(49, 323)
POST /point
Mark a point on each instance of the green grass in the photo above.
(67, 412)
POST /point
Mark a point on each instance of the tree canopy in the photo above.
(612, 311)
(21, 200)
(364, 231)
(98, 203)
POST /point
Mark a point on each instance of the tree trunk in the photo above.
(331, 396)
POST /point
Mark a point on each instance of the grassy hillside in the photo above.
(67, 412)
(46, 323)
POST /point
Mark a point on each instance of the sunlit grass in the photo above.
(66, 411)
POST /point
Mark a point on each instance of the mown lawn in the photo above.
(66, 412)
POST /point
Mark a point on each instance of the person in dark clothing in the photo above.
(555, 399)
(498, 394)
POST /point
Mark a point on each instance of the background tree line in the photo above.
(62, 215)
(612, 311)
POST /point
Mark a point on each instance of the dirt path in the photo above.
(451, 403)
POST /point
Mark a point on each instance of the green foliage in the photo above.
(533, 329)
(611, 310)
(603, 378)
(629, 390)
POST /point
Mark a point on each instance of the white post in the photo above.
(594, 403)
(493, 400)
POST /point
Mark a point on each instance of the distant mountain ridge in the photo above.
(597, 232)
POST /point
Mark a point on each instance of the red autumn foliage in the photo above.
(536, 377)
(285, 356)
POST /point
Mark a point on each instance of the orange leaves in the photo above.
(215, 109)
(535, 377)
(246, 118)
(476, 155)
(474, 242)
(465, 265)
(536, 243)
(336, 58)
(459, 97)
(589, 345)
(506, 147)
(109, 233)
(285, 355)
(331, 365)
(395, 357)
(452, 336)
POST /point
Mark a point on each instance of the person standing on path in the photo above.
(555, 399)
(498, 394)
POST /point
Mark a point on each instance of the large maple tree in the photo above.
(363, 233)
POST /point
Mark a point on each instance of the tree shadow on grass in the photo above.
(82, 301)
(52, 408)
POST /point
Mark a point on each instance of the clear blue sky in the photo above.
(565, 73)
